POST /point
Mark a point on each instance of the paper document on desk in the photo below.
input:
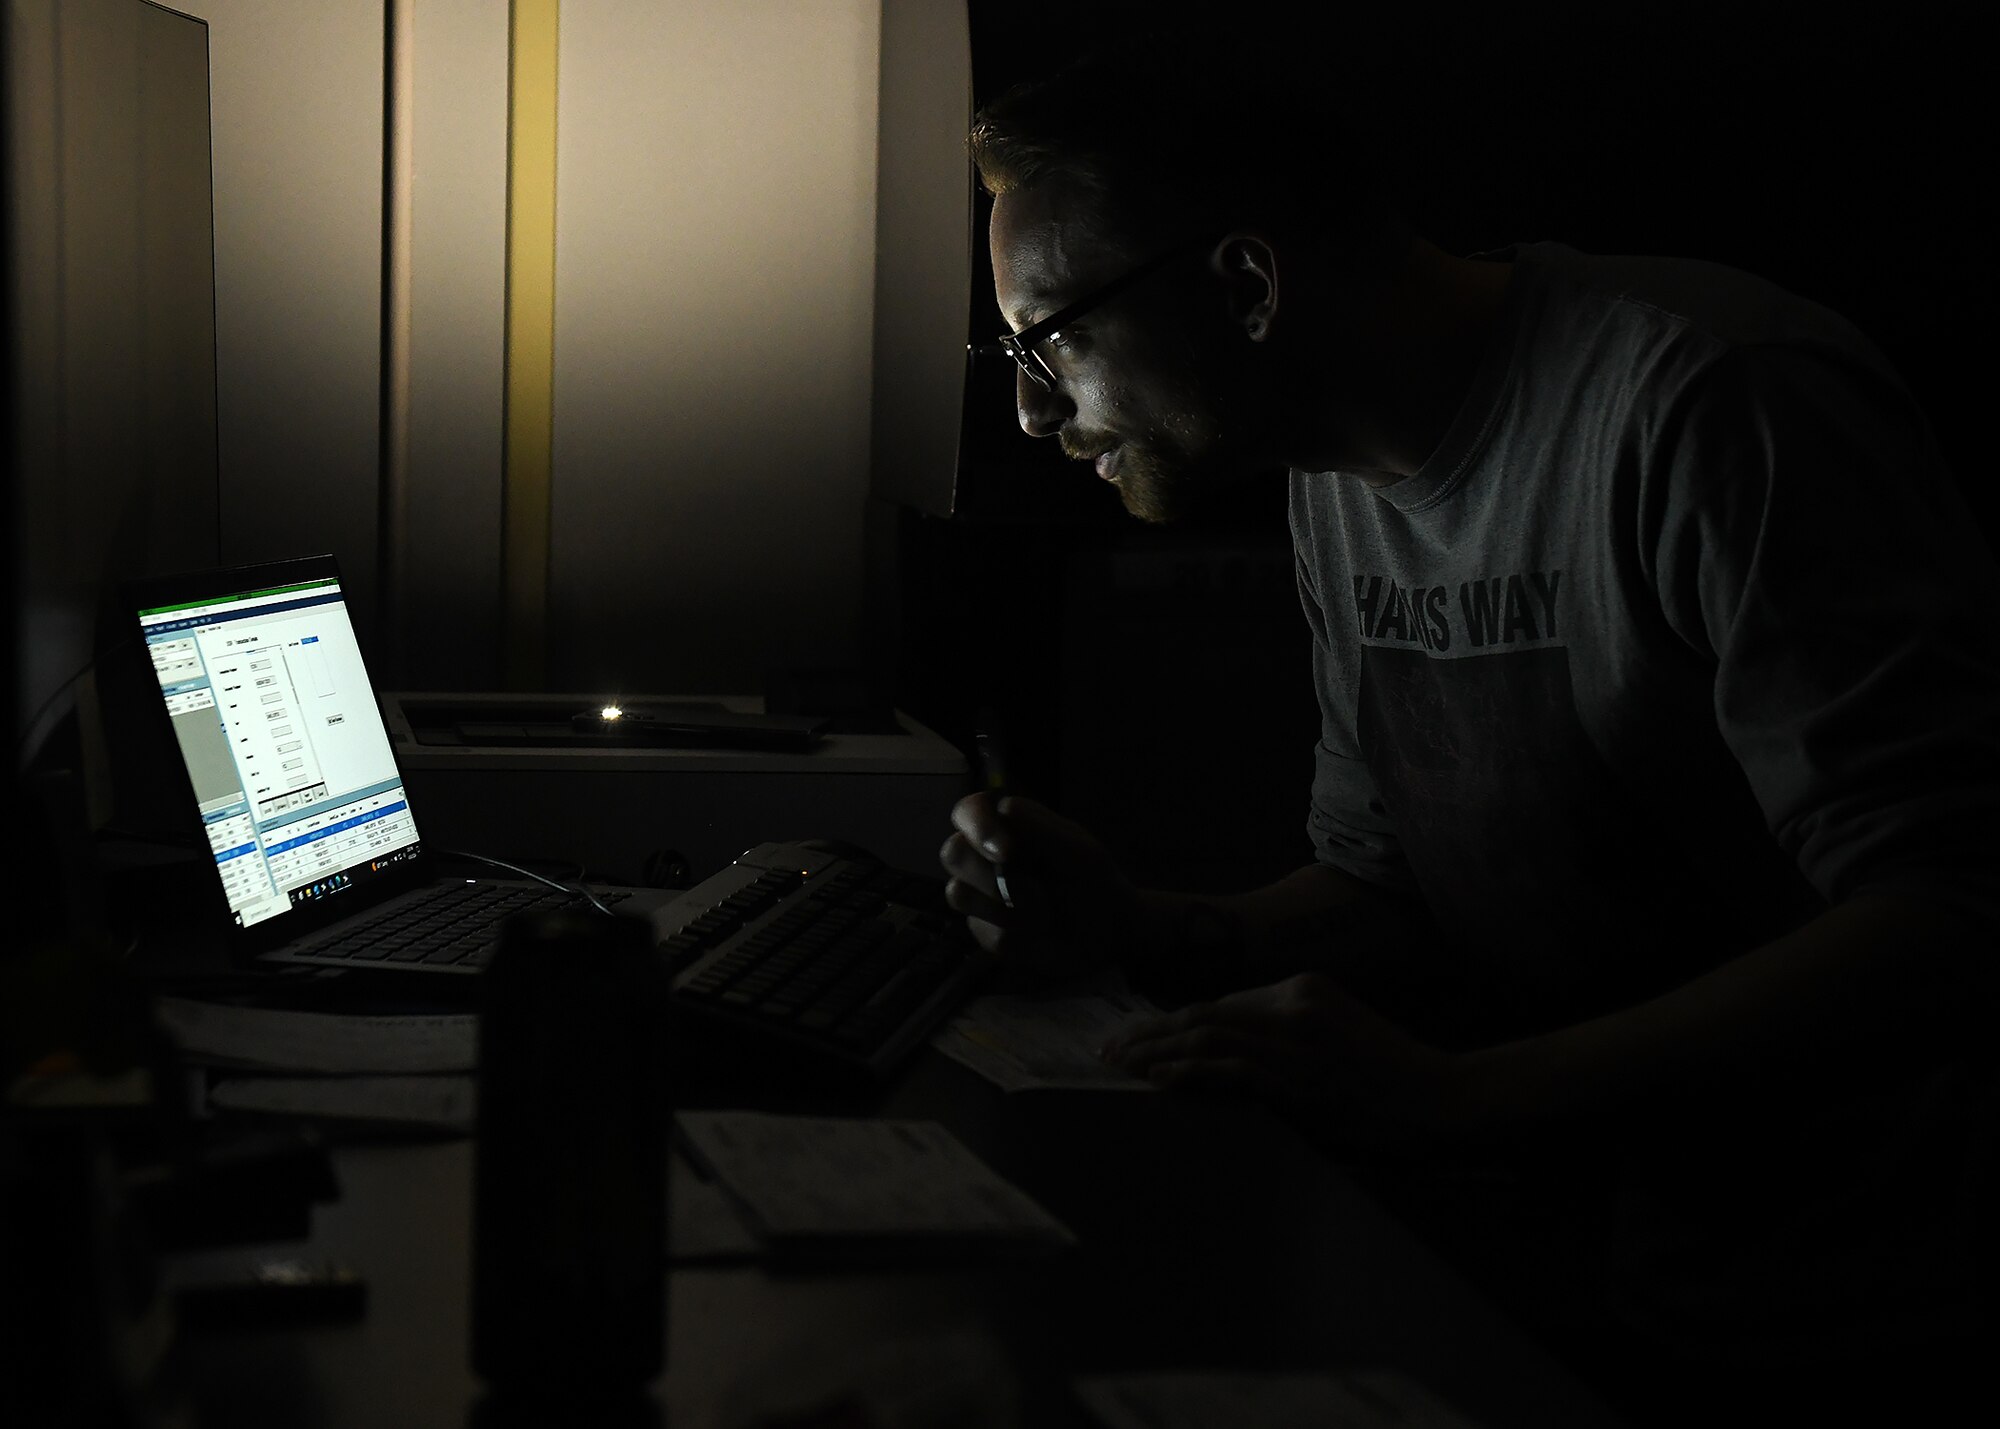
(1022, 1043)
(434, 1103)
(822, 1178)
(1365, 1399)
(703, 1225)
(281, 1040)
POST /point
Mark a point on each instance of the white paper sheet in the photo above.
(443, 1103)
(809, 1177)
(328, 1042)
(1024, 1043)
(703, 1224)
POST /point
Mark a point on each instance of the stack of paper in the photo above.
(337, 1043)
(436, 1103)
(812, 1182)
(407, 1070)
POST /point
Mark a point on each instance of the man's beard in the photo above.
(1160, 486)
(1175, 468)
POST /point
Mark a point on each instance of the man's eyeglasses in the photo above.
(1025, 346)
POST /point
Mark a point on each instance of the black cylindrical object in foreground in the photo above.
(569, 1190)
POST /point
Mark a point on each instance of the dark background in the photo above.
(1155, 679)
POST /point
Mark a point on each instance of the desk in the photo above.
(1210, 1236)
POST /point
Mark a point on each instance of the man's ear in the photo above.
(1247, 263)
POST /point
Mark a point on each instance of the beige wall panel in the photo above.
(297, 115)
(450, 610)
(714, 268)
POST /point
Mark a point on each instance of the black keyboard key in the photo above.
(680, 954)
(849, 993)
(840, 967)
(903, 993)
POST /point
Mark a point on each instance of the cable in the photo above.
(24, 740)
(578, 889)
(25, 734)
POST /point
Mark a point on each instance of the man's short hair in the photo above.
(1176, 134)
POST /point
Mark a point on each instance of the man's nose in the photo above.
(1042, 410)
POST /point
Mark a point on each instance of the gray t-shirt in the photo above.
(1682, 633)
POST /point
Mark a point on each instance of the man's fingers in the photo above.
(963, 863)
(1282, 1008)
(963, 895)
(1220, 1074)
(1306, 996)
(1152, 1029)
(974, 887)
(1217, 1057)
(1252, 1010)
(980, 825)
(1036, 835)
(1204, 1043)
(1017, 830)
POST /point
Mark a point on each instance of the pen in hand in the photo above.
(993, 776)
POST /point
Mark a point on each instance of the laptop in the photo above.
(291, 776)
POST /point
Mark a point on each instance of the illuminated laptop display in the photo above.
(286, 750)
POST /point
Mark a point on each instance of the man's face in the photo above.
(1148, 386)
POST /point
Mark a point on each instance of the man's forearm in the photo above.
(1316, 918)
(1853, 995)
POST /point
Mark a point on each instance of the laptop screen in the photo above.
(286, 751)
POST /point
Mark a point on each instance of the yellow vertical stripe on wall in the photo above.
(531, 336)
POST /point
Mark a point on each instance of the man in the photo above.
(1655, 807)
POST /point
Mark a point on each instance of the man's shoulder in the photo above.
(1713, 306)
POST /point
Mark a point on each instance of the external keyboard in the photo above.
(831, 953)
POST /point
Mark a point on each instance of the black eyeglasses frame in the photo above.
(1022, 346)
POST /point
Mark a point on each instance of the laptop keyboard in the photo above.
(456, 927)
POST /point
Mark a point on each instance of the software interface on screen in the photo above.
(285, 748)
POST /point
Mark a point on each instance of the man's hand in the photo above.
(1310, 1048)
(1073, 911)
